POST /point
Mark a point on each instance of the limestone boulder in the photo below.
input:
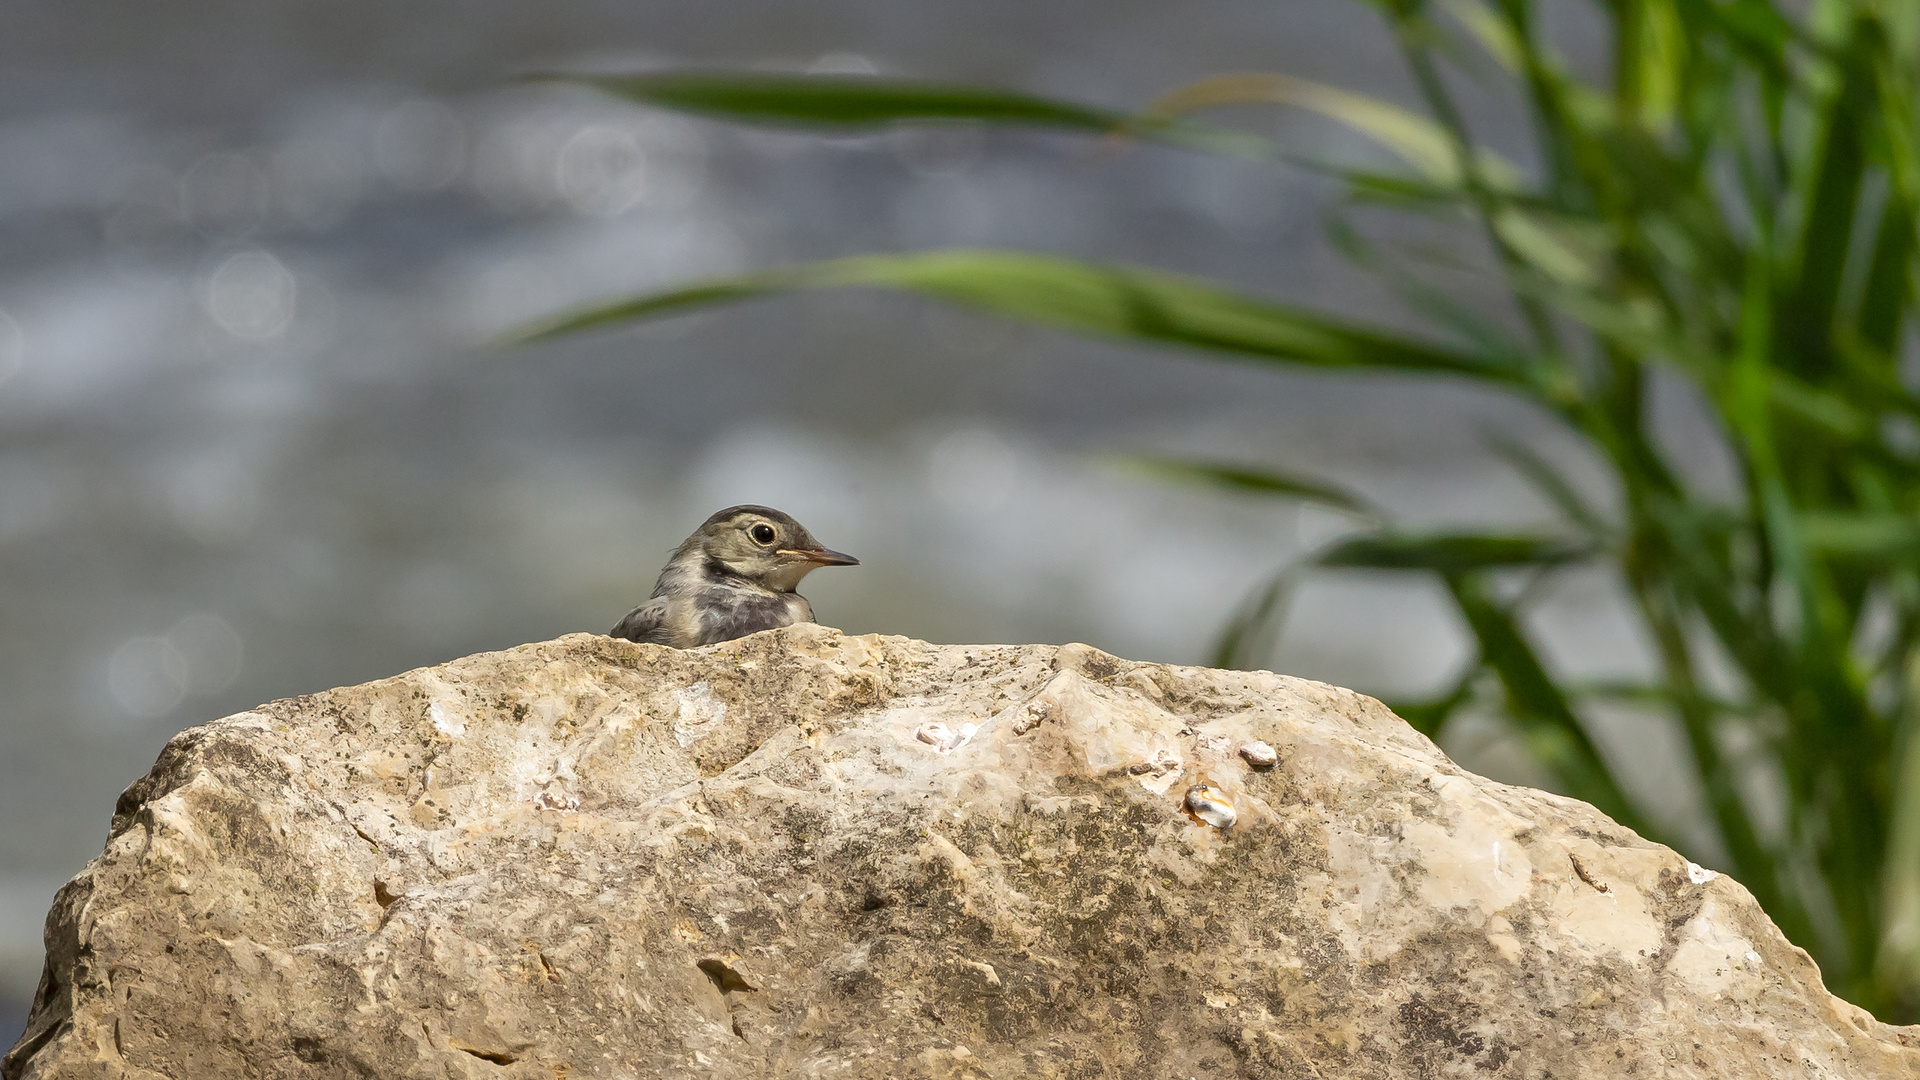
(802, 854)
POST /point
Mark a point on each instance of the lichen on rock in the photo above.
(591, 858)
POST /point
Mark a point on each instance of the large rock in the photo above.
(590, 858)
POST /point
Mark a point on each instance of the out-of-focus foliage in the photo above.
(1732, 205)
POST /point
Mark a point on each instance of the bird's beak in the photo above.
(820, 556)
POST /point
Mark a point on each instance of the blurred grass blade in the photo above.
(1418, 141)
(1400, 191)
(1548, 480)
(1468, 323)
(1093, 298)
(1449, 553)
(1899, 946)
(1653, 84)
(1248, 641)
(1889, 283)
(1428, 717)
(1494, 33)
(1877, 536)
(1546, 721)
(651, 305)
(866, 101)
(850, 100)
(1819, 408)
(1756, 26)
(1827, 227)
(1639, 694)
(1257, 481)
(1556, 251)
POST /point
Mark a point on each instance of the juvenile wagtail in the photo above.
(734, 576)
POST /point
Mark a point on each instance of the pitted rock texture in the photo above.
(807, 855)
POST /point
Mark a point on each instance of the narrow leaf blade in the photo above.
(1877, 536)
(1090, 298)
(1539, 709)
(866, 101)
(1418, 141)
(1449, 553)
(1254, 480)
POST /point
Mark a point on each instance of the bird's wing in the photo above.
(645, 623)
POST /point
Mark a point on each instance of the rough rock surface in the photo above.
(789, 855)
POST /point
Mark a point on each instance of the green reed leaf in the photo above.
(1255, 480)
(1450, 553)
(1092, 298)
(866, 101)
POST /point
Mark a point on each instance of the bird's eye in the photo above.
(762, 533)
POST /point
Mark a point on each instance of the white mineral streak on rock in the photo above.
(1711, 957)
(374, 881)
(1700, 875)
(443, 707)
(699, 712)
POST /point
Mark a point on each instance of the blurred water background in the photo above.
(254, 443)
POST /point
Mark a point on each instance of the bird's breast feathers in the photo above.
(727, 613)
(798, 610)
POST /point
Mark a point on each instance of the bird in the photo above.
(734, 576)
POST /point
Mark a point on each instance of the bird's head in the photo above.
(763, 546)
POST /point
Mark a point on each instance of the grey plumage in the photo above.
(734, 576)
